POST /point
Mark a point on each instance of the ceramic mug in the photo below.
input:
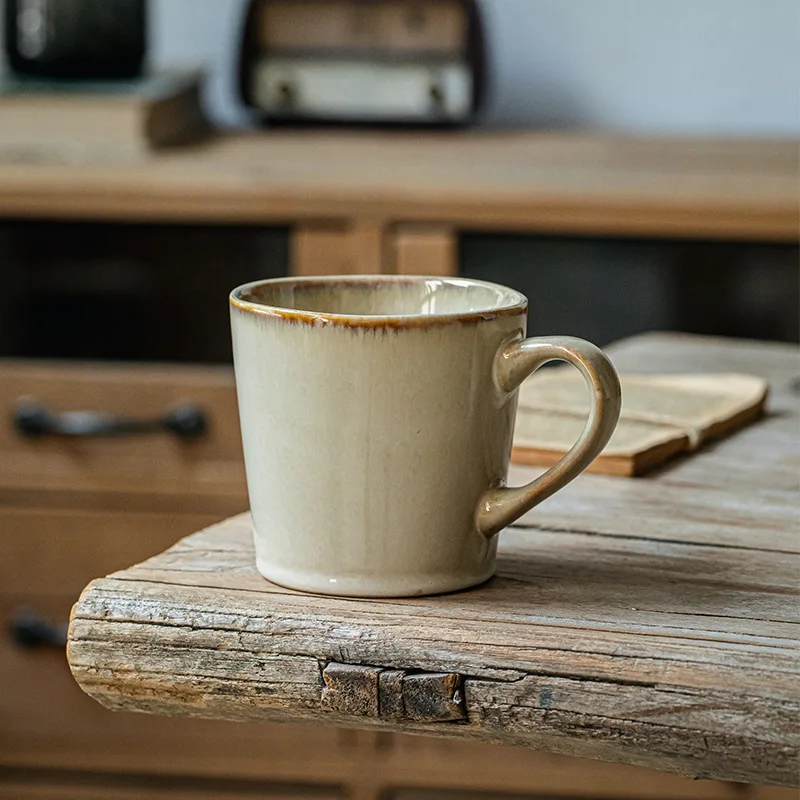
(377, 414)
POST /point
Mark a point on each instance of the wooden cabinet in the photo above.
(74, 508)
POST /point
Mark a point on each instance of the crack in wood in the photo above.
(533, 526)
(514, 674)
(565, 623)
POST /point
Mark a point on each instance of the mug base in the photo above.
(396, 586)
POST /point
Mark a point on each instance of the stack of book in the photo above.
(98, 121)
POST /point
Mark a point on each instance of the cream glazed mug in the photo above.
(377, 414)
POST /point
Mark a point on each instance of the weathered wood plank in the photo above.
(644, 711)
(648, 621)
(407, 640)
(574, 576)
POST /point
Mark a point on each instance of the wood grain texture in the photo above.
(577, 184)
(650, 621)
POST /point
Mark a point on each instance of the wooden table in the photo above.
(383, 202)
(649, 621)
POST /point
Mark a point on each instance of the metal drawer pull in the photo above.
(32, 418)
(28, 629)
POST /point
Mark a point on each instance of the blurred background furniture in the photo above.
(359, 190)
(703, 233)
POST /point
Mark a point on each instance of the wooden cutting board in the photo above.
(662, 416)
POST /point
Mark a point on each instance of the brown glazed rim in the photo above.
(519, 306)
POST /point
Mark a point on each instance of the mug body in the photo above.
(372, 426)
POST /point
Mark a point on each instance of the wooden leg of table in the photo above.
(370, 248)
(320, 249)
(368, 252)
(424, 250)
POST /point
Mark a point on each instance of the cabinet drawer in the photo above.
(58, 551)
(152, 464)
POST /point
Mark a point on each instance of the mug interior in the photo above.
(371, 296)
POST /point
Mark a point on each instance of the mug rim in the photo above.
(518, 303)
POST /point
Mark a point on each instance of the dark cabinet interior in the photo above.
(607, 289)
(84, 290)
(122, 292)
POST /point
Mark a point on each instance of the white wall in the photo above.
(674, 66)
(694, 66)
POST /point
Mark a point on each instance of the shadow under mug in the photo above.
(377, 417)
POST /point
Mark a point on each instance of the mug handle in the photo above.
(514, 362)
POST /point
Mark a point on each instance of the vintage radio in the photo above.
(418, 62)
